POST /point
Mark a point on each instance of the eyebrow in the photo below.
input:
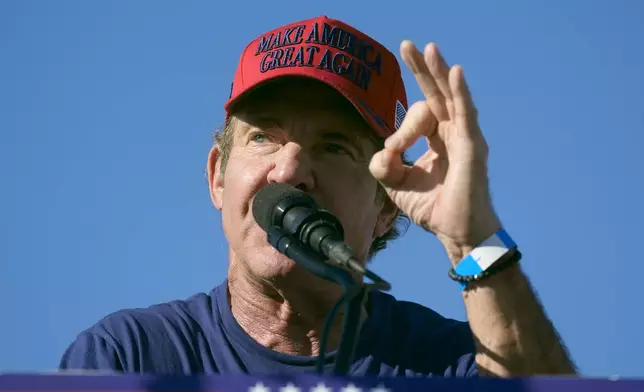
(335, 135)
(259, 121)
(266, 121)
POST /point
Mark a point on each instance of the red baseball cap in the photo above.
(333, 52)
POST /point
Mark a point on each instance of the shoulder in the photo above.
(141, 339)
(423, 340)
(156, 321)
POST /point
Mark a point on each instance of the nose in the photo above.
(292, 166)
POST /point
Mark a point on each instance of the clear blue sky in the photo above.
(106, 116)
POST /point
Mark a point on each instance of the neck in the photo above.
(289, 321)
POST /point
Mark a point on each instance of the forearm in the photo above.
(513, 335)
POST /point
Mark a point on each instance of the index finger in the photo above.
(426, 81)
(418, 122)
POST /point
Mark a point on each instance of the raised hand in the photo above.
(446, 190)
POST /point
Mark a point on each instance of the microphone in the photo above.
(296, 226)
(295, 212)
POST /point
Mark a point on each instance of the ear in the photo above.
(215, 177)
(386, 218)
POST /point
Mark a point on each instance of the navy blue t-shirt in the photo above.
(200, 336)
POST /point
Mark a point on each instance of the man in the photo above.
(321, 106)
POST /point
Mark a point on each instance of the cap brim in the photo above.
(367, 114)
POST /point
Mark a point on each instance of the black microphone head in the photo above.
(268, 198)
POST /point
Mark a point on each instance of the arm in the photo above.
(513, 335)
(446, 192)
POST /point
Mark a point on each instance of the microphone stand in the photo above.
(354, 295)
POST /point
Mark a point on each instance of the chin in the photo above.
(266, 263)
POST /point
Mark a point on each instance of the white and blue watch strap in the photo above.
(485, 255)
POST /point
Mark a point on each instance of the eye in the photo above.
(258, 137)
(335, 149)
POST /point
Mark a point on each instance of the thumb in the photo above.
(387, 167)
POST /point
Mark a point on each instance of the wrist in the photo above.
(458, 247)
